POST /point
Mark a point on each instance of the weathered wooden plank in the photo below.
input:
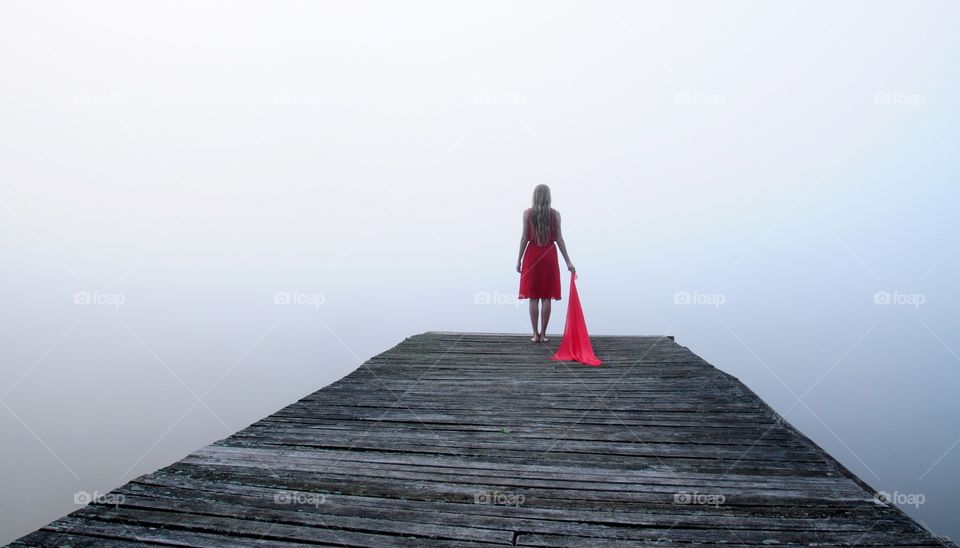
(729, 537)
(324, 458)
(63, 532)
(542, 477)
(530, 519)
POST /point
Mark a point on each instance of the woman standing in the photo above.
(537, 262)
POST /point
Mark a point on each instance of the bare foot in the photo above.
(535, 338)
(543, 338)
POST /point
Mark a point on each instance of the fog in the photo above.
(209, 210)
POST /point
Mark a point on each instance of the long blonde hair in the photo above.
(542, 214)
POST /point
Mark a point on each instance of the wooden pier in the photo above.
(461, 439)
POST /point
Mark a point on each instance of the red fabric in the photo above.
(540, 269)
(575, 345)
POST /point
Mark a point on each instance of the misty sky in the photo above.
(209, 210)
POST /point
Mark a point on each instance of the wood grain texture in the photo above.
(464, 439)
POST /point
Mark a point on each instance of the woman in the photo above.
(537, 261)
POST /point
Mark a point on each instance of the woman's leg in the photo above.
(544, 319)
(533, 319)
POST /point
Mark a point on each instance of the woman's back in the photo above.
(531, 228)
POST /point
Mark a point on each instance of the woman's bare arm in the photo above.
(523, 237)
(563, 246)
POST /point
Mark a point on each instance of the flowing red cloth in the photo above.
(575, 345)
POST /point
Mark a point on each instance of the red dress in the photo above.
(540, 270)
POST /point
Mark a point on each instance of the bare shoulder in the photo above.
(526, 212)
(557, 213)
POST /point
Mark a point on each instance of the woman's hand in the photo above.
(572, 268)
(518, 266)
